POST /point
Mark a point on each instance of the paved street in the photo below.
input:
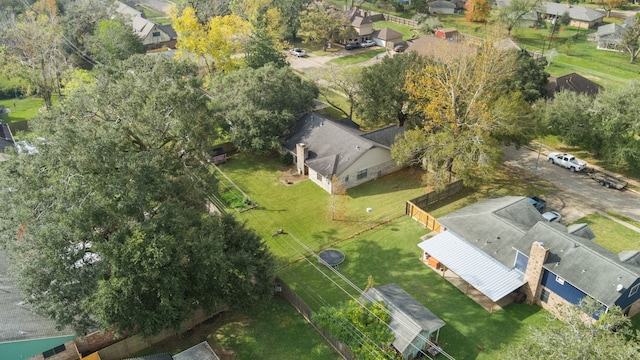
(576, 194)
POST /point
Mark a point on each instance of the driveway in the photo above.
(575, 194)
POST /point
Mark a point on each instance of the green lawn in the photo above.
(21, 109)
(611, 235)
(402, 29)
(273, 330)
(357, 57)
(575, 54)
(390, 255)
(302, 209)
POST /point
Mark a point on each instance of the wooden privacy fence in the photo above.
(296, 301)
(417, 208)
(376, 16)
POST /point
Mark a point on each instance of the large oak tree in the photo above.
(466, 117)
(108, 223)
(257, 107)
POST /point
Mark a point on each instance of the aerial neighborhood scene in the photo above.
(319, 179)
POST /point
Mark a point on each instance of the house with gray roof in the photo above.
(580, 16)
(325, 148)
(415, 328)
(442, 7)
(151, 34)
(610, 36)
(502, 245)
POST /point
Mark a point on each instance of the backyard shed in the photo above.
(416, 329)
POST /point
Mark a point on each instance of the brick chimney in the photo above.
(301, 155)
(533, 273)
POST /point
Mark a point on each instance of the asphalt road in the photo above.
(575, 194)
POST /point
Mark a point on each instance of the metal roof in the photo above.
(409, 318)
(473, 265)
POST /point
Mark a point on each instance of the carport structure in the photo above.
(474, 267)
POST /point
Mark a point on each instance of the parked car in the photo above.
(538, 203)
(298, 52)
(352, 46)
(567, 161)
(552, 216)
(367, 43)
(399, 48)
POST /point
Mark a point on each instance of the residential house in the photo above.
(363, 26)
(503, 245)
(609, 36)
(581, 17)
(440, 49)
(415, 328)
(152, 35)
(324, 148)
(442, 7)
(388, 38)
(572, 82)
(24, 333)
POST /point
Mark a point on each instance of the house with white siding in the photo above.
(328, 149)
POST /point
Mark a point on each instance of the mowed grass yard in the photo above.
(388, 251)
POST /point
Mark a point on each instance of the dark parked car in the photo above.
(399, 48)
(352, 46)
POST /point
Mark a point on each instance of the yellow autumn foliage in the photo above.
(212, 44)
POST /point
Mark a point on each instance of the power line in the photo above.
(368, 298)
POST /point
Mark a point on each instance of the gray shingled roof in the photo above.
(500, 226)
(586, 265)
(575, 12)
(388, 34)
(494, 224)
(408, 317)
(17, 321)
(333, 146)
(200, 351)
(610, 29)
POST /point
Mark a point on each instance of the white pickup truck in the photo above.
(567, 161)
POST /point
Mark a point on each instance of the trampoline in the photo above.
(331, 257)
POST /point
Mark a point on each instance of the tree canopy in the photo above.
(608, 125)
(108, 222)
(35, 51)
(362, 326)
(257, 107)
(114, 41)
(580, 336)
(465, 117)
(320, 23)
(382, 97)
(212, 43)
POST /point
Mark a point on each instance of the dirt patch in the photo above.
(289, 175)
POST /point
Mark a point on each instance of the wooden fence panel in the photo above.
(417, 208)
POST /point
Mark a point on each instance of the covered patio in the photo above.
(485, 280)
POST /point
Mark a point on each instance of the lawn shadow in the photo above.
(404, 179)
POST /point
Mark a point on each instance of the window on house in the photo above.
(156, 34)
(634, 290)
(346, 179)
(362, 174)
(319, 177)
(559, 280)
(544, 296)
